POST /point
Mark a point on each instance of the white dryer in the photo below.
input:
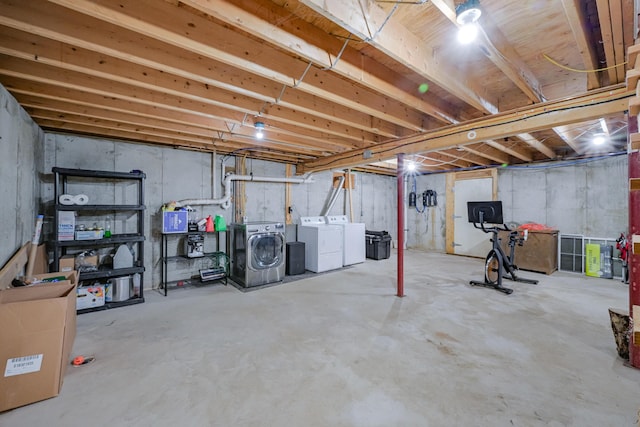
(322, 244)
(354, 241)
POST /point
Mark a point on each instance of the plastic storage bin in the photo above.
(378, 244)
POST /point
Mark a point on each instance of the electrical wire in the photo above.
(344, 46)
(386, 20)
(553, 61)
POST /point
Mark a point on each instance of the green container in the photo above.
(220, 224)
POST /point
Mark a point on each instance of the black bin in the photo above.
(295, 258)
(378, 244)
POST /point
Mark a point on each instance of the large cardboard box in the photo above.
(17, 264)
(38, 327)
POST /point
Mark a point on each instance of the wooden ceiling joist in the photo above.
(402, 45)
(487, 152)
(538, 145)
(328, 78)
(542, 116)
(512, 151)
(500, 52)
(149, 19)
(187, 102)
(350, 65)
(574, 14)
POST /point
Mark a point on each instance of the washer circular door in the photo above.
(265, 250)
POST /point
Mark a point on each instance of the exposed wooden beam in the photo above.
(446, 160)
(399, 43)
(576, 22)
(464, 155)
(538, 145)
(497, 48)
(504, 56)
(628, 27)
(617, 25)
(541, 116)
(187, 101)
(487, 152)
(517, 153)
(220, 147)
(31, 47)
(40, 95)
(149, 18)
(72, 113)
(565, 134)
(604, 16)
(316, 46)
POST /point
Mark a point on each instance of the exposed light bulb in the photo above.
(598, 140)
(259, 130)
(467, 33)
(411, 166)
(468, 12)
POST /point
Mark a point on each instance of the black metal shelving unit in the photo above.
(165, 258)
(62, 176)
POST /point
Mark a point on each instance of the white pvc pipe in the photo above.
(225, 201)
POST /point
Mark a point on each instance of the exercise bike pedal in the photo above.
(502, 289)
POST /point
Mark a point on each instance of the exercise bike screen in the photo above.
(489, 212)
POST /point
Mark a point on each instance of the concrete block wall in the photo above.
(587, 197)
(174, 174)
(426, 230)
(373, 199)
(21, 163)
(584, 197)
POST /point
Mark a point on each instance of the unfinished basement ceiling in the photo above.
(336, 83)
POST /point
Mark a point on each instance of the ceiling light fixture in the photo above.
(259, 129)
(598, 139)
(467, 15)
(411, 166)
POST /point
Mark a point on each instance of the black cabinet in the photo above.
(125, 222)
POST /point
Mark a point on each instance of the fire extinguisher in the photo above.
(623, 244)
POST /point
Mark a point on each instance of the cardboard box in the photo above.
(36, 339)
(89, 234)
(90, 297)
(66, 225)
(71, 276)
(175, 222)
(67, 263)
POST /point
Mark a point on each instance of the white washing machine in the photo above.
(322, 244)
(354, 241)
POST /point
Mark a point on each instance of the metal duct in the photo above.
(334, 197)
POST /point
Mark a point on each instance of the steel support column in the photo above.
(400, 181)
(634, 228)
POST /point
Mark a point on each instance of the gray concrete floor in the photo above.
(341, 350)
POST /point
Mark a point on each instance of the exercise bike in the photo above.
(496, 262)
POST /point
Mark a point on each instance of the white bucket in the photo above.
(121, 288)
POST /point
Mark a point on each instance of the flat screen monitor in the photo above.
(489, 212)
